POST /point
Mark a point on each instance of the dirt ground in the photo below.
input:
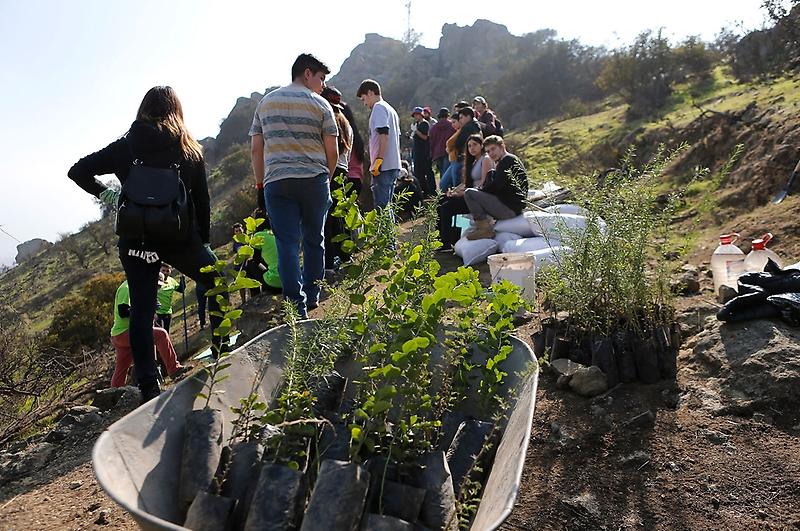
(723, 451)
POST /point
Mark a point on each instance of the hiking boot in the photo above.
(483, 229)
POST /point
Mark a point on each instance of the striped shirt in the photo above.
(292, 120)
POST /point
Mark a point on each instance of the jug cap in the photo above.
(760, 244)
(727, 239)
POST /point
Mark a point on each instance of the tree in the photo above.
(84, 320)
(641, 73)
(75, 247)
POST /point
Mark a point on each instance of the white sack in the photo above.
(475, 251)
(503, 237)
(535, 243)
(519, 225)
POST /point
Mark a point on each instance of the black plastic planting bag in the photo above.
(337, 501)
(202, 447)
(209, 512)
(626, 364)
(603, 357)
(395, 499)
(379, 522)
(439, 506)
(646, 357)
(329, 392)
(278, 499)
(334, 442)
(471, 438)
(241, 478)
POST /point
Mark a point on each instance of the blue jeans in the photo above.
(297, 209)
(452, 176)
(383, 187)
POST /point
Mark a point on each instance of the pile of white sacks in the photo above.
(532, 231)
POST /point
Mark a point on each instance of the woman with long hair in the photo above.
(346, 142)
(355, 166)
(476, 165)
(157, 139)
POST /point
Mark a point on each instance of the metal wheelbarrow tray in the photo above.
(137, 460)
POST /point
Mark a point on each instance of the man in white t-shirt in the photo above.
(384, 142)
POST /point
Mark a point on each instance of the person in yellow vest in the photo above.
(122, 343)
(167, 286)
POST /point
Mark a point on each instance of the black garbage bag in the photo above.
(751, 305)
(789, 306)
(773, 279)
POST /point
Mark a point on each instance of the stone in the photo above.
(686, 284)
(92, 507)
(564, 366)
(636, 459)
(689, 268)
(726, 293)
(119, 399)
(642, 420)
(584, 504)
(563, 382)
(762, 418)
(562, 435)
(102, 518)
(589, 381)
(35, 459)
(715, 437)
(75, 484)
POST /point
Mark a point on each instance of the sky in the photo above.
(72, 73)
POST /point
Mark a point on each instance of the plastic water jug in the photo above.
(756, 260)
(727, 262)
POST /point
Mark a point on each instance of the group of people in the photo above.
(303, 137)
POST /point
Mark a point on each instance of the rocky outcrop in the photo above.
(30, 248)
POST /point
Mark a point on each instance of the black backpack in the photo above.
(154, 205)
(498, 127)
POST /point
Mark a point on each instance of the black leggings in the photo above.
(141, 270)
(162, 320)
(448, 208)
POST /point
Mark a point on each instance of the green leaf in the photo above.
(240, 238)
(233, 315)
(250, 224)
(381, 406)
(246, 251)
(294, 465)
(375, 347)
(357, 299)
(207, 269)
(356, 433)
(386, 391)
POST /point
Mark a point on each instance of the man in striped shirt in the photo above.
(294, 152)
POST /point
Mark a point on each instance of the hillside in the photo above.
(761, 116)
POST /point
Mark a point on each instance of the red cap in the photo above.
(761, 243)
(727, 239)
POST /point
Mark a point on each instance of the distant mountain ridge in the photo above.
(468, 59)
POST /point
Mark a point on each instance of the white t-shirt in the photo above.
(383, 115)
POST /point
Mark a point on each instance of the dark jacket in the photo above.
(154, 148)
(472, 128)
(509, 182)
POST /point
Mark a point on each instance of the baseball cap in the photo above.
(427, 109)
(479, 99)
(417, 110)
(444, 112)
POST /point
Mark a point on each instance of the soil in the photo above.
(721, 449)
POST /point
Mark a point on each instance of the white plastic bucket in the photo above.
(517, 268)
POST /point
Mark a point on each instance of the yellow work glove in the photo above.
(376, 168)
